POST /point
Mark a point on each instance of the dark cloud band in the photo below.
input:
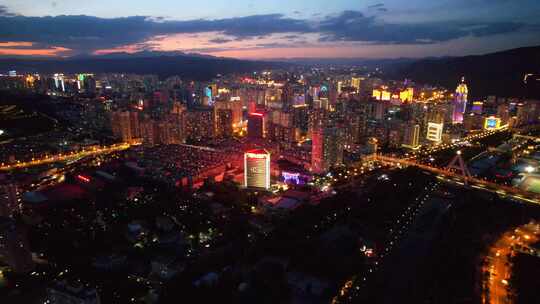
(84, 34)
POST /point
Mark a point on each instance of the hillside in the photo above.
(499, 74)
(192, 67)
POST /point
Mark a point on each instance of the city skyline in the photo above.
(269, 30)
(156, 152)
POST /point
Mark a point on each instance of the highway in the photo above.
(499, 267)
(457, 144)
(66, 156)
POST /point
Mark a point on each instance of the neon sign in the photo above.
(289, 177)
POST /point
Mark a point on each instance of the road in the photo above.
(499, 267)
(67, 156)
(474, 137)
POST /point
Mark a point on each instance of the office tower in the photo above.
(503, 112)
(257, 169)
(522, 114)
(380, 110)
(257, 125)
(177, 128)
(434, 132)
(355, 83)
(199, 124)
(460, 102)
(327, 149)
(436, 114)
(235, 106)
(273, 98)
(411, 136)
(14, 249)
(472, 121)
(316, 119)
(148, 131)
(301, 117)
(134, 125)
(121, 125)
(224, 123)
(287, 97)
(59, 82)
(163, 132)
(339, 87)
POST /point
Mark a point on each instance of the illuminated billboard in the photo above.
(492, 123)
(257, 169)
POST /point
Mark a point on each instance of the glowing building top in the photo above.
(460, 101)
(462, 90)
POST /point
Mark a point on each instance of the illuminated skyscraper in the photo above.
(199, 123)
(224, 123)
(257, 169)
(411, 136)
(434, 132)
(460, 102)
(477, 107)
(355, 83)
(257, 125)
(327, 149)
(121, 125)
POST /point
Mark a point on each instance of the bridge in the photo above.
(450, 174)
(66, 156)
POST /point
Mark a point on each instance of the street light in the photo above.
(529, 169)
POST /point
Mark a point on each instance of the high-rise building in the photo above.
(257, 125)
(460, 102)
(235, 106)
(327, 149)
(411, 136)
(355, 83)
(503, 112)
(380, 110)
(148, 131)
(477, 107)
(121, 125)
(199, 124)
(224, 123)
(134, 125)
(434, 132)
(257, 169)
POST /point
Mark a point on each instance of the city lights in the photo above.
(302, 151)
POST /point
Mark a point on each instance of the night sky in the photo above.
(268, 29)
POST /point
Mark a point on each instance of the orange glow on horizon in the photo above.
(47, 52)
(8, 44)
